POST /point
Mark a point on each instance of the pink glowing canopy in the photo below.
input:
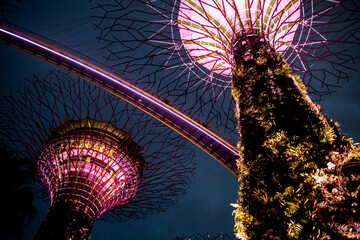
(211, 29)
(92, 164)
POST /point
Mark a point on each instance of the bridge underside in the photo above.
(103, 76)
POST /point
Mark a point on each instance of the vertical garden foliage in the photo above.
(299, 176)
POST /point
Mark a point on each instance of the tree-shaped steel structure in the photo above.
(299, 175)
(185, 49)
(97, 156)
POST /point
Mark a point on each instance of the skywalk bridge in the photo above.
(91, 70)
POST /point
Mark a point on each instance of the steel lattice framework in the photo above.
(92, 163)
(194, 129)
(264, 51)
(109, 159)
(247, 45)
(185, 49)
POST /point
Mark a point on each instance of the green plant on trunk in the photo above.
(299, 176)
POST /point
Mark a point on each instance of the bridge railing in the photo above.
(53, 49)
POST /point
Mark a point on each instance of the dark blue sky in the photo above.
(206, 207)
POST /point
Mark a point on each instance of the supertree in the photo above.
(143, 39)
(299, 175)
(96, 156)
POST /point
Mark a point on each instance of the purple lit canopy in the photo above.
(211, 30)
(77, 130)
(92, 164)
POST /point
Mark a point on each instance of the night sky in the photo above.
(206, 207)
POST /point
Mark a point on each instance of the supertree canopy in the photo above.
(89, 167)
(186, 50)
(211, 31)
(300, 177)
(97, 157)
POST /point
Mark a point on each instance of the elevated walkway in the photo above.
(148, 101)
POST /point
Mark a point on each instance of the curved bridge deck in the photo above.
(103, 76)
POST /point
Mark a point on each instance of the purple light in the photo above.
(210, 30)
(90, 167)
(124, 85)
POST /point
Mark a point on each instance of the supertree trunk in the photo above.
(299, 176)
(64, 221)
